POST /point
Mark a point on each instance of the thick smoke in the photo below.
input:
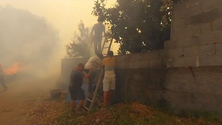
(27, 40)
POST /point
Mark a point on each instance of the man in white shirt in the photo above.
(93, 63)
(97, 33)
(2, 77)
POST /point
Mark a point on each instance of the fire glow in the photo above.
(12, 69)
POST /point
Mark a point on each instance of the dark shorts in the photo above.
(76, 94)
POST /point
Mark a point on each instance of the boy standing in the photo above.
(109, 81)
(75, 90)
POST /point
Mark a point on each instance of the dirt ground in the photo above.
(28, 103)
(20, 98)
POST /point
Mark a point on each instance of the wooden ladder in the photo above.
(90, 100)
(106, 46)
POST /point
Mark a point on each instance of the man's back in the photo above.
(98, 30)
(76, 79)
(93, 63)
(109, 64)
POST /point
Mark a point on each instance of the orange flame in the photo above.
(13, 69)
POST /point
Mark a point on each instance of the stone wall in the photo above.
(193, 81)
(196, 34)
(195, 89)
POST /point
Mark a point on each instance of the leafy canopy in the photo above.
(79, 47)
(137, 24)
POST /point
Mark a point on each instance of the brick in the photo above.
(219, 48)
(179, 6)
(206, 28)
(212, 60)
(214, 37)
(190, 3)
(169, 44)
(162, 54)
(157, 63)
(179, 23)
(136, 57)
(186, 42)
(150, 55)
(189, 31)
(175, 53)
(200, 50)
(205, 17)
(209, 5)
(191, 51)
(139, 64)
(217, 25)
(188, 11)
(184, 62)
(207, 49)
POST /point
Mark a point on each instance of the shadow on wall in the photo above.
(142, 85)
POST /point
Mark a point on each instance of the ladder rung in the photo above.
(88, 99)
(86, 108)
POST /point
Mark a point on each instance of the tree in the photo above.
(137, 24)
(80, 45)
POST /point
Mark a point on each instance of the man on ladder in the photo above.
(92, 64)
(97, 34)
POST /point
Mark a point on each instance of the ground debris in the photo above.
(7, 110)
(48, 112)
(45, 112)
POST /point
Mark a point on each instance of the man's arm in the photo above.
(86, 76)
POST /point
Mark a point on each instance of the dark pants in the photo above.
(97, 47)
(76, 94)
(2, 81)
(91, 79)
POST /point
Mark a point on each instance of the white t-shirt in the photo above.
(93, 63)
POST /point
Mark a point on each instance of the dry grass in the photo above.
(56, 112)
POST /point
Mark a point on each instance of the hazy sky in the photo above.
(63, 14)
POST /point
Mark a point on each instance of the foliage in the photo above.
(137, 24)
(80, 43)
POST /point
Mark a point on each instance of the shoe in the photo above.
(103, 108)
(78, 110)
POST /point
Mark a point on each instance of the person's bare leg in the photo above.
(105, 98)
(72, 103)
(80, 104)
(109, 96)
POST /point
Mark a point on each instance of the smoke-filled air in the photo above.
(28, 43)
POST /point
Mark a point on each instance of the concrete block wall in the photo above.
(151, 59)
(197, 91)
(196, 38)
(154, 59)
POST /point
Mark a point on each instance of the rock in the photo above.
(97, 120)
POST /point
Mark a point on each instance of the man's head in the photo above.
(80, 67)
(100, 20)
(110, 54)
(100, 55)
